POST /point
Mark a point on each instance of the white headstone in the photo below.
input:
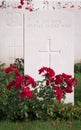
(49, 42)
(11, 35)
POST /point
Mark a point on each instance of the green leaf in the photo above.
(26, 114)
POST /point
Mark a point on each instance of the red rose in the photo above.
(28, 3)
(74, 81)
(29, 80)
(68, 89)
(55, 87)
(58, 79)
(26, 93)
(22, 95)
(27, 8)
(66, 75)
(72, 6)
(12, 68)
(71, 81)
(21, 2)
(48, 72)
(58, 92)
(8, 70)
(12, 83)
(16, 71)
(19, 6)
(30, 9)
(19, 81)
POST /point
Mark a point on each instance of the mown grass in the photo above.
(77, 94)
(41, 125)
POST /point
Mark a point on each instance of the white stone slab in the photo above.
(11, 35)
(49, 42)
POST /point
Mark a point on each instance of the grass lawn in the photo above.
(41, 125)
(77, 96)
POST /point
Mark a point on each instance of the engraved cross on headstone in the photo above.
(49, 51)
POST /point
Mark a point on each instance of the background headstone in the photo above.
(11, 35)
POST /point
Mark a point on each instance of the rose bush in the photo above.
(60, 84)
(30, 99)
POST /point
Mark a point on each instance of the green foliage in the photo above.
(4, 100)
(8, 98)
(17, 108)
(77, 67)
(62, 111)
(2, 66)
(4, 79)
(77, 94)
(42, 107)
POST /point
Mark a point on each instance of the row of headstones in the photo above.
(48, 38)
